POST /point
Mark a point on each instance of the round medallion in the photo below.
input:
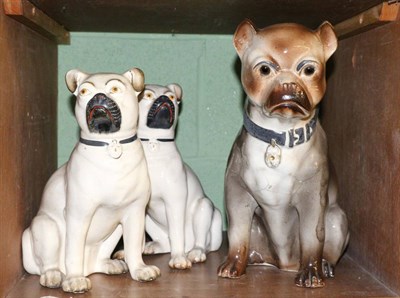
(115, 149)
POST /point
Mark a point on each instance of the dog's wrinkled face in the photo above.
(283, 66)
(106, 102)
(159, 105)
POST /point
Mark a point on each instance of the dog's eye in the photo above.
(115, 89)
(84, 91)
(171, 97)
(309, 70)
(148, 95)
(265, 70)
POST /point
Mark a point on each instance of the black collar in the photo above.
(160, 140)
(101, 143)
(290, 138)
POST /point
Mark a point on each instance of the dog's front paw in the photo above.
(76, 284)
(231, 269)
(114, 267)
(180, 262)
(145, 273)
(52, 278)
(197, 255)
(309, 277)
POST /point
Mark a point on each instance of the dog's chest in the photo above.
(297, 165)
(113, 182)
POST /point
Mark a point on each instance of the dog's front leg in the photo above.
(133, 233)
(175, 210)
(240, 210)
(78, 219)
(312, 236)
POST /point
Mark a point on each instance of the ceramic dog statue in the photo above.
(99, 195)
(180, 218)
(279, 193)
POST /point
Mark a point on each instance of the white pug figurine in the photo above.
(180, 218)
(99, 195)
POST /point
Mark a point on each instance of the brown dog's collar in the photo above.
(290, 138)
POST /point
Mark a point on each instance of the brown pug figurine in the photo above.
(279, 194)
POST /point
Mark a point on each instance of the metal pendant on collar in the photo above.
(273, 155)
(114, 149)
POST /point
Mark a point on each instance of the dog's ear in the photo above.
(328, 38)
(74, 78)
(243, 36)
(136, 77)
(177, 90)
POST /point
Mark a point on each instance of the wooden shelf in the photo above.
(54, 18)
(202, 281)
(26, 13)
(195, 16)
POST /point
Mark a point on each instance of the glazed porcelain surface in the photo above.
(180, 218)
(280, 192)
(99, 195)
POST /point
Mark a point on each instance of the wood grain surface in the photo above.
(361, 117)
(202, 281)
(28, 127)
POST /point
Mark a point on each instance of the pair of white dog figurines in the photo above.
(103, 192)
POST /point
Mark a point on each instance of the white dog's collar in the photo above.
(114, 147)
(101, 143)
(289, 138)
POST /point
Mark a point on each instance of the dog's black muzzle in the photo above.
(289, 96)
(103, 114)
(161, 113)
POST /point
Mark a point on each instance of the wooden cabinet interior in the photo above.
(360, 112)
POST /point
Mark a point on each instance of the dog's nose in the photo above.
(291, 91)
(163, 98)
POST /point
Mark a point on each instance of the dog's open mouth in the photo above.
(287, 106)
(103, 114)
(161, 113)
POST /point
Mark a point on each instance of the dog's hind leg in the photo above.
(216, 230)
(102, 261)
(160, 239)
(45, 242)
(336, 229)
(28, 257)
(336, 238)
